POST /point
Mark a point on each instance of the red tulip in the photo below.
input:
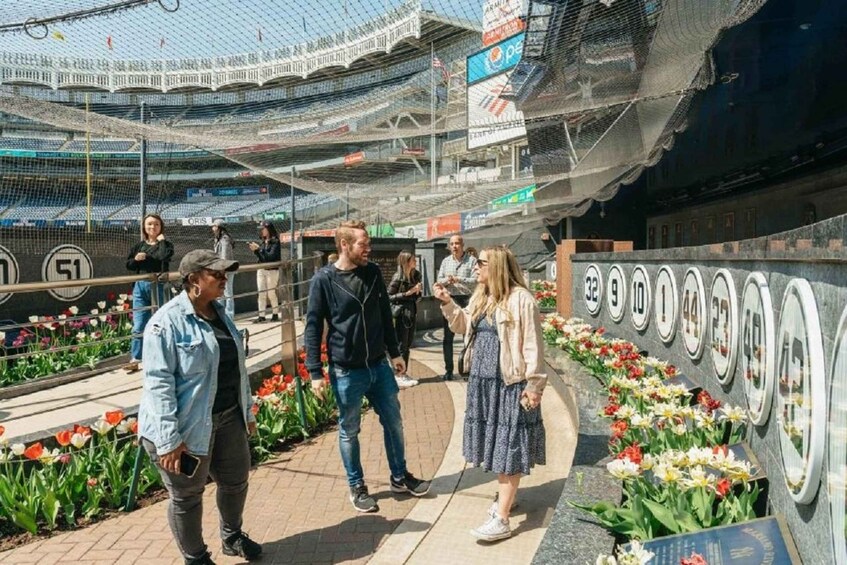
(63, 438)
(114, 417)
(34, 451)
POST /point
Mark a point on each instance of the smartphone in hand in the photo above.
(188, 464)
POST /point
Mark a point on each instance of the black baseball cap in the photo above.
(204, 259)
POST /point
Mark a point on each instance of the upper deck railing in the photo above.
(341, 49)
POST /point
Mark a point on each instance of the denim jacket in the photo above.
(180, 361)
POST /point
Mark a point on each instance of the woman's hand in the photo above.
(170, 461)
(160, 237)
(251, 429)
(533, 399)
(253, 246)
(439, 292)
(140, 256)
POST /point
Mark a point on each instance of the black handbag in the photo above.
(397, 310)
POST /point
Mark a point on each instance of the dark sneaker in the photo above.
(447, 377)
(206, 559)
(362, 501)
(275, 318)
(259, 320)
(241, 545)
(410, 484)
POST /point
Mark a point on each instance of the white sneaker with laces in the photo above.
(403, 381)
(494, 529)
(495, 507)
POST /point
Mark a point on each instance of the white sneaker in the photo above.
(403, 381)
(494, 529)
(495, 507)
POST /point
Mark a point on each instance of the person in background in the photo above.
(196, 407)
(223, 247)
(267, 280)
(350, 296)
(503, 430)
(404, 291)
(472, 252)
(150, 255)
(456, 275)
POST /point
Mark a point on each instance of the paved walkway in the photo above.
(298, 508)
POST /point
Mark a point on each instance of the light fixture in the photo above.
(602, 210)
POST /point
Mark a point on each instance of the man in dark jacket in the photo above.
(351, 298)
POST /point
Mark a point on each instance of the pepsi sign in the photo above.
(495, 59)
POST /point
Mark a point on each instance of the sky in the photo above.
(199, 27)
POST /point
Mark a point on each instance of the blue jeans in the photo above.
(227, 300)
(377, 384)
(142, 298)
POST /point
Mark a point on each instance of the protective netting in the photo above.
(394, 112)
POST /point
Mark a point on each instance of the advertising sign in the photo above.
(413, 151)
(196, 221)
(354, 158)
(204, 194)
(521, 196)
(442, 226)
(414, 231)
(496, 59)
(501, 19)
(492, 119)
(473, 220)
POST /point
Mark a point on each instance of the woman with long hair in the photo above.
(503, 431)
(151, 254)
(267, 280)
(404, 291)
(223, 247)
(194, 418)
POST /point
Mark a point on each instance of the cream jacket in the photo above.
(521, 340)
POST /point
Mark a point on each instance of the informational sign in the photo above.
(9, 272)
(639, 298)
(207, 221)
(755, 542)
(213, 194)
(495, 59)
(414, 231)
(67, 263)
(492, 119)
(801, 402)
(522, 196)
(723, 325)
(837, 436)
(757, 347)
(593, 293)
(693, 313)
(442, 226)
(666, 304)
(616, 293)
(501, 19)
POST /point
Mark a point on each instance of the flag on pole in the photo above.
(162, 43)
(259, 33)
(109, 42)
(58, 35)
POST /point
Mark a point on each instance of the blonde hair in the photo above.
(404, 260)
(504, 274)
(347, 232)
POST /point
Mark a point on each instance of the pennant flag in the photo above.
(162, 43)
(259, 33)
(109, 42)
(58, 35)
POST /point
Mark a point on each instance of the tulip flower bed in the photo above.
(668, 448)
(53, 344)
(545, 294)
(84, 471)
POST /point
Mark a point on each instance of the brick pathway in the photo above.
(297, 506)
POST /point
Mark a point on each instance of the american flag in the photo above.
(437, 63)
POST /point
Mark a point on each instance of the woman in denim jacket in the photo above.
(196, 407)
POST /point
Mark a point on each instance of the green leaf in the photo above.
(663, 515)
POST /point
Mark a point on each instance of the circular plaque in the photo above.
(593, 289)
(837, 481)
(723, 323)
(9, 272)
(616, 293)
(665, 304)
(692, 314)
(756, 347)
(639, 298)
(801, 403)
(64, 263)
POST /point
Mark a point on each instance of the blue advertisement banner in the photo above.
(228, 192)
(473, 220)
(495, 59)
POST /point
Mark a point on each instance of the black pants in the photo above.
(404, 327)
(447, 344)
